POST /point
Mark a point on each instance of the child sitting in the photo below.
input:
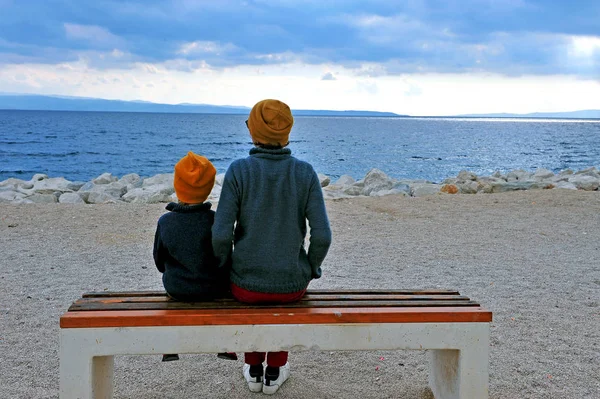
(182, 245)
(268, 197)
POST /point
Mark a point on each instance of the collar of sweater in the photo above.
(279, 153)
(175, 207)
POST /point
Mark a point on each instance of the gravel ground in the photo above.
(532, 257)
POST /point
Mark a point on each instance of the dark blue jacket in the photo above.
(269, 196)
(183, 253)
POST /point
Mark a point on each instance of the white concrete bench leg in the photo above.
(84, 376)
(460, 374)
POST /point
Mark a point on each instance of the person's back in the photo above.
(183, 240)
(275, 193)
(269, 196)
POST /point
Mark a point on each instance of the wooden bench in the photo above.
(453, 328)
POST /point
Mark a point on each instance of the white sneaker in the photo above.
(254, 383)
(271, 386)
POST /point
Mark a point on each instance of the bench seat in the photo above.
(452, 327)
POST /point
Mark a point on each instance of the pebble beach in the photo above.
(529, 256)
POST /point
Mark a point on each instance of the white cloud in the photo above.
(295, 83)
(92, 34)
(205, 47)
(585, 46)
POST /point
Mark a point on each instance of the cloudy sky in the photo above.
(412, 57)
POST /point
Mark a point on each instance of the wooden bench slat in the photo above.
(197, 317)
(309, 292)
(307, 297)
(97, 306)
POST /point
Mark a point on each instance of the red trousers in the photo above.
(274, 359)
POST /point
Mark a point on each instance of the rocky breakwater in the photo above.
(132, 188)
(377, 183)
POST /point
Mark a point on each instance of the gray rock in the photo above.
(424, 189)
(219, 179)
(161, 179)
(10, 196)
(543, 174)
(402, 187)
(353, 190)
(149, 195)
(593, 172)
(70, 198)
(75, 185)
(105, 178)
(466, 176)
(518, 175)
(345, 180)
(131, 181)
(392, 191)
(517, 186)
(51, 185)
(566, 185)
(42, 198)
(38, 177)
(585, 182)
(215, 192)
(376, 180)
(469, 187)
(13, 183)
(99, 197)
(323, 179)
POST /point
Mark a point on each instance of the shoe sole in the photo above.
(255, 386)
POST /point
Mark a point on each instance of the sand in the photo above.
(532, 257)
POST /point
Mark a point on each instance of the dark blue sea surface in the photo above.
(82, 145)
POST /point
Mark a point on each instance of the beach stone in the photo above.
(518, 175)
(589, 172)
(160, 179)
(566, 185)
(585, 182)
(114, 189)
(153, 194)
(353, 190)
(323, 179)
(449, 189)
(376, 180)
(100, 197)
(75, 185)
(38, 198)
(402, 187)
(392, 191)
(469, 187)
(131, 181)
(498, 175)
(51, 185)
(70, 198)
(14, 183)
(517, 186)
(466, 175)
(345, 180)
(10, 196)
(543, 174)
(219, 179)
(215, 193)
(424, 189)
(105, 178)
(38, 177)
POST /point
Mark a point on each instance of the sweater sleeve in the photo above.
(158, 252)
(225, 218)
(320, 232)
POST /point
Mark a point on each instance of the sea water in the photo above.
(82, 145)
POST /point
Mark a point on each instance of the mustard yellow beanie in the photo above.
(270, 123)
(194, 178)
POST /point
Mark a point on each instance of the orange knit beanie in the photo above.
(270, 123)
(194, 178)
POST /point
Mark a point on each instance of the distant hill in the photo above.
(584, 114)
(62, 103)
